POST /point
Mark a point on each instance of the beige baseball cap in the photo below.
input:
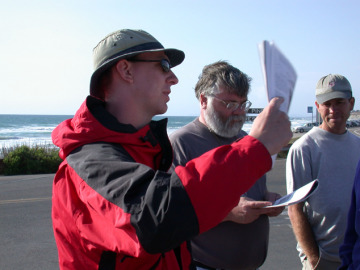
(332, 86)
(127, 43)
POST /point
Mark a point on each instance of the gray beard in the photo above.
(223, 127)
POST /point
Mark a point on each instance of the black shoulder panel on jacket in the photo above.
(107, 261)
(161, 211)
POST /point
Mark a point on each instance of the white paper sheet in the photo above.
(297, 196)
(279, 75)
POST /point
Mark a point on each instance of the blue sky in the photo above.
(46, 46)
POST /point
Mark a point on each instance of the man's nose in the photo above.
(333, 107)
(172, 79)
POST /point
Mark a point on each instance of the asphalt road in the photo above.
(26, 235)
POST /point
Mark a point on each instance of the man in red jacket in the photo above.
(115, 206)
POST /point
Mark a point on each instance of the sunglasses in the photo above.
(165, 64)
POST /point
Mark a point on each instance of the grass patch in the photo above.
(284, 152)
(25, 159)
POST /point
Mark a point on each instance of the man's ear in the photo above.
(124, 69)
(352, 103)
(203, 101)
(317, 105)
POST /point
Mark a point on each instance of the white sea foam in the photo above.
(35, 132)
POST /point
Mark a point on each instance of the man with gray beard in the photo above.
(240, 241)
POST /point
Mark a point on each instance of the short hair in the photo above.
(222, 74)
(100, 87)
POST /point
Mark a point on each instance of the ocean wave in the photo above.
(2, 138)
(31, 130)
(43, 141)
(27, 129)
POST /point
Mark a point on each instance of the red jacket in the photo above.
(114, 204)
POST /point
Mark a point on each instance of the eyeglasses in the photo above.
(233, 106)
(165, 64)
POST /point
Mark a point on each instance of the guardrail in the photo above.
(255, 111)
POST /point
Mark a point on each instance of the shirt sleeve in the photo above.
(298, 167)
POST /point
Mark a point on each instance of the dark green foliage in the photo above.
(45, 159)
(282, 154)
(31, 160)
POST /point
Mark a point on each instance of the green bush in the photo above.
(31, 160)
(284, 152)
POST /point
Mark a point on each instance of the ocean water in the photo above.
(36, 129)
(28, 129)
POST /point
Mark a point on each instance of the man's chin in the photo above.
(229, 133)
(163, 109)
(236, 126)
(335, 121)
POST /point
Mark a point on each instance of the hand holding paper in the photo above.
(272, 127)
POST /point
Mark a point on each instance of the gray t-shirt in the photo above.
(229, 245)
(331, 159)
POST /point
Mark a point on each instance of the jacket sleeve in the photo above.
(134, 208)
(348, 250)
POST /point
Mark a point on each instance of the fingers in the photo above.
(275, 211)
(258, 204)
(272, 127)
(276, 102)
(244, 199)
(272, 196)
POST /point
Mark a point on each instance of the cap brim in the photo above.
(328, 96)
(176, 57)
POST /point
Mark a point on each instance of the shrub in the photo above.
(284, 152)
(31, 160)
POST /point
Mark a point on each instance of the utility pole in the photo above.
(310, 110)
